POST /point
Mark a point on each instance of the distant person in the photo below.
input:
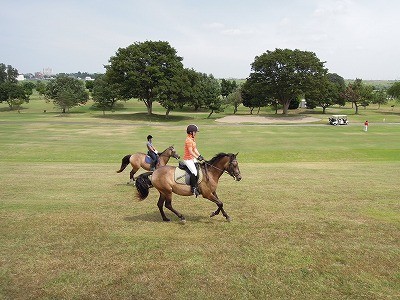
(366, 126)
(152, 152)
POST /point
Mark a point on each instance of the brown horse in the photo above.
(163, 179)
(138, 160)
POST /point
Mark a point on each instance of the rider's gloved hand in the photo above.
(200, 158)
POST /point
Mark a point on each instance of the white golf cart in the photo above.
(338, 120)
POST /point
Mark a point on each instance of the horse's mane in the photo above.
(170, 147)
(218, 157)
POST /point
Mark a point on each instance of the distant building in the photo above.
(88, 78)
(39, 75)
(47, 71)
(20, 77)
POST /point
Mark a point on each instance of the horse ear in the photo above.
(236, 154)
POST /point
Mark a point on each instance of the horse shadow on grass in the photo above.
(155, 217)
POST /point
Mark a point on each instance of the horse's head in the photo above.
(233, 167)
(173, 153)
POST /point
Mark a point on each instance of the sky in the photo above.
(355, 38)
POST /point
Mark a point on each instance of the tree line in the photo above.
(152, 72)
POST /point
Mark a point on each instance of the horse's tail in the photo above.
(124, 163)
(143, 184)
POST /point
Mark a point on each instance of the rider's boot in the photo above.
(193, 185)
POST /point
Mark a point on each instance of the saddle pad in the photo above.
(148, 159)
(183, 177)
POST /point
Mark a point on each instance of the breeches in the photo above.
(191, 166)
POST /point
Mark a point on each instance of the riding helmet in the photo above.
(149, 137)
(192, 128)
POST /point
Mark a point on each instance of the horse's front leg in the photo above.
(160, 205)
(214, 198)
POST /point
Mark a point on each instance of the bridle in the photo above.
(172, 151)
(230, 170)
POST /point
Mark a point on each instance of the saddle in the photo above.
(148, 159)
(182, 174)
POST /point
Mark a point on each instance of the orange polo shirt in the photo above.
(190, 143)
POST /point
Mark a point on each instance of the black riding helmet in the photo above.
(192, 128)
(149, 137)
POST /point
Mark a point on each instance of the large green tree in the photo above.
(286, 73)
(144, 70)
(12, 92)
(326, 92)
(66, 92)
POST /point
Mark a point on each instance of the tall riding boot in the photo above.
(193, 185)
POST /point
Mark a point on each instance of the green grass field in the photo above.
(316, 216)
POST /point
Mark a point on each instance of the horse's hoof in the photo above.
(183, 221)
(212, 214)
(167, 220)
(228, 219)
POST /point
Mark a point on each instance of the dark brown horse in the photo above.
(163, 179)
(138, 160)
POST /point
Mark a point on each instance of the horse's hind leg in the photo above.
(131, 176)
(160, 205)
(168, 204)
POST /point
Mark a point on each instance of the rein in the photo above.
(223, 171)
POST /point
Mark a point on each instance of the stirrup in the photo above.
(195, 192)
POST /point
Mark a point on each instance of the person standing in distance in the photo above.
(366, 125)
(191, 156)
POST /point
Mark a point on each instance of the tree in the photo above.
(227, 87)
(66, 92)
(211, 94)
(235, 99)
(379, 97)
(326, 92)
(41, 87)
(144, 70)
(89, 84)
(11, 91)
(104, 93)
(287, 73)
(394, 90)
(254, 94)
(358, 93)
(177, 91)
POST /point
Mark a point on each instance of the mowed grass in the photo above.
(316, 216)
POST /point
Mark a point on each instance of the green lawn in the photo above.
(316, 216)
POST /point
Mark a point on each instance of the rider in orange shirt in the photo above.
(191, 156)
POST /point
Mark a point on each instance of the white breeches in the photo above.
(191, 166)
